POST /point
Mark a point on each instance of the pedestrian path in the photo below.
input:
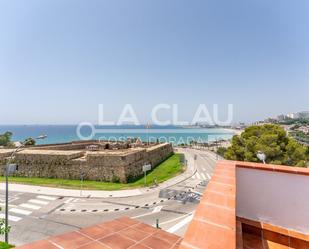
(24, 209)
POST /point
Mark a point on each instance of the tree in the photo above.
(221, 151)
(271, 140)
(5, 139)
(29, 141)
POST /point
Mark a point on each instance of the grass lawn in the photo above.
(164, 171)
(4, 245)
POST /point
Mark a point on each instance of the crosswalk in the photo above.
(24, 209)
(208, 162)
(201, 176)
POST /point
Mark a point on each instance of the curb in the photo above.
(145, 206)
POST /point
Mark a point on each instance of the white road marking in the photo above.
(207, 164)
(11, 217)
(39, 202)
(20, 211)
(157, 209)
(209, 177)
(30, 206)
(142, 215)
(46, 197)
(196, 192)
(180, 224)
(198, 175)
(203, 176)
(153, 211)
(172, 220)
(69, 200)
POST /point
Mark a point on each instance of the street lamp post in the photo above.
(82, 176)
(260, 155)
(216, 148)
(10, 169)
(6, 205)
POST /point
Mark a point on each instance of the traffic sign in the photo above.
(146, 167)
(11, 168)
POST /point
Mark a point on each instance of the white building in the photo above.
(293, 115)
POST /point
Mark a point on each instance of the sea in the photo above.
(68, 133)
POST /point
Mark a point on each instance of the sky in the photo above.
(60, 59)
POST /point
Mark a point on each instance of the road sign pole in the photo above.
(6, 205)
(157, 224)
(146, 167)
(81, 185)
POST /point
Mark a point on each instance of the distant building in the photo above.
(303, 114)
(293, 115)
(270, 120)
(281, 117)
(297, 115)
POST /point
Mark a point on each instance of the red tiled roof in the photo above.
(273, 167)
(119, 234)
(214, 222)
(270, 235)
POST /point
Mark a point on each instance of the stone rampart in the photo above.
(104, 165)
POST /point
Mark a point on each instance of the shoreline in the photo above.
(234, 131)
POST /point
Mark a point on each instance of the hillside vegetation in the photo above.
(273, 141)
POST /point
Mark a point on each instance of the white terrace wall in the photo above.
(281, 199)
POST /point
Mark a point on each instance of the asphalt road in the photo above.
(33, 217)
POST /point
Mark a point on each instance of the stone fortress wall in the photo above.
(94, 160)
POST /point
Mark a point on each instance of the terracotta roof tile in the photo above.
(127, 221)
(217, 215)
(272, 167)
(117, 234)
(117, 241)
(222, 178)
(214, 222)
(39, 245)
(156, 243)
(134, 234)
(218, 199)
(114, 225)
(298, 244)
(94, 245)
(298, 235)
(145, 228)
(139, 246)
(239, 240)
(70, 240)
(96, 232)
(224, 189)
(169, 237)
(275, 237)
(252, 241)
(206, 235)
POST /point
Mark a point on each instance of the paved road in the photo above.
(37, 216)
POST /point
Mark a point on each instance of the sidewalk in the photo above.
(101, 193)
